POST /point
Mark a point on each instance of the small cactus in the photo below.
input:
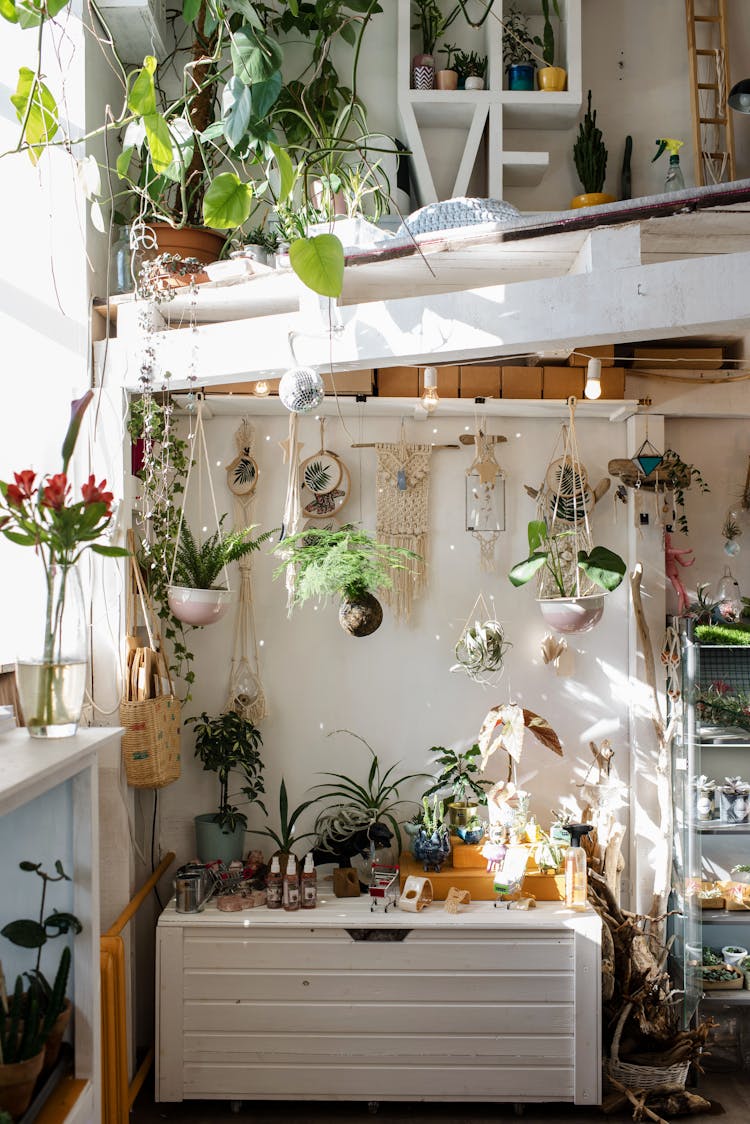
(590, 153)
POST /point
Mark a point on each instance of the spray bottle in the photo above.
(274, 885)
(576, 883)
(291, 884)
(309, 884)
(675, 180)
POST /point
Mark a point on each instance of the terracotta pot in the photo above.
(572, 614)
(198, 606)
(446, 79)
(17, 1082)
(189, 242)
(591, 199)
(54, 1042)
(551, 78)
(361, 617)
(319, 195)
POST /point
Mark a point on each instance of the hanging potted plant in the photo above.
(550, 77)
(590, 156)
(227, 744)
(447, 77)
(194, 598)
(517, 51)
(349, 563)
(574, 605)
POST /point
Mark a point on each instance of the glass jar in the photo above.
(728, 598)
(120, 276)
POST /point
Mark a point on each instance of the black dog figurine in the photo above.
(342, 851)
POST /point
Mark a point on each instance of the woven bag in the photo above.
(149, 712)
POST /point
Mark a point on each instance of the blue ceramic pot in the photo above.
(521, 77)
(471, 835)
(431, 850)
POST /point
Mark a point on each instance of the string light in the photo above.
(593, 387)
(261, 389)
(430, 398)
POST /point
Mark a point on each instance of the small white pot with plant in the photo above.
(194, 597)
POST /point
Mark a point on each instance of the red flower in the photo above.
(721, 687)
(55, 491)
(94, 493)
(22, 489)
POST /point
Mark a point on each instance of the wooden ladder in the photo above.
(713, 137)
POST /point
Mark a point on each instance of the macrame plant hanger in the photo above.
(489, 476)
(245, 695)
(198, 449)
(564, 503)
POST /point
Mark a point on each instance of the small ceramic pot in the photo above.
(446, 79)
(734, 806)
(471, 835)
(521, 76)
(423, 72)
(17, 1081)
(704, 804)
(552, 78)
(572, 614)
(198, 606)
(473, 82)
(591, 199)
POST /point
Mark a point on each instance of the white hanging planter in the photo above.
(198, 606)
(572, 614)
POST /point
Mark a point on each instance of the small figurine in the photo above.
(672, 560)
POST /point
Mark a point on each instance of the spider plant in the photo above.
(198, 566)
(354, 805)
(285, 836)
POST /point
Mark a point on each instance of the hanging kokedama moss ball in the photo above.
(361, 617)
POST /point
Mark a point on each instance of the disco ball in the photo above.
(301, 389)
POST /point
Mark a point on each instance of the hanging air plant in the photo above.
(481, 649)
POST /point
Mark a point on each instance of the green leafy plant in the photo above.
(285, 836)
(547, 41)
(590, 153)
(460, 775)
(432, 23)
(27, 933)
(517, 39)
(450, 51)
(24, 1025)
(348, 562)
(548, 855)
(679, 475)
(470, 64)
(737, 635)
(719, 705)
(481, 649)
(432, 819)
(600, 565)
(228, 744)
(354, 805)
(198, 566)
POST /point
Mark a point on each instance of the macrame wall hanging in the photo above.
(403, 485)
(485, 495)
(245, 695)
(325, 485)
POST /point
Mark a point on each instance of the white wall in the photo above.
(395, 688)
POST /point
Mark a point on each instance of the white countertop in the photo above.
(31, 766)
(346, 913)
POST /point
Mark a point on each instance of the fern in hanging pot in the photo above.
(194, 596)
(349, 563)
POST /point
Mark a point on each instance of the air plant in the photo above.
(481, 649)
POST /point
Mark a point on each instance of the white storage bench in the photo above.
(339, 1003)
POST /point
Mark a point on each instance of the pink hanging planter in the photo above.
(198, 606)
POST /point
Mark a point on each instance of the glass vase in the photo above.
(51, 673)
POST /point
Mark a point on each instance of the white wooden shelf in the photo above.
(524, 169)
(29, 767)
(448, 108)
(540, 109)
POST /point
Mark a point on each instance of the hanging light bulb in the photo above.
(430, 397)
(261, 389)
(593, 388)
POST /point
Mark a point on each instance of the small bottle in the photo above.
(309, 884)
(576, 881)
(121, 280)
(675, 180)
(291, 885)
(274, 885)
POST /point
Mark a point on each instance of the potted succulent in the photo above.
(550, 77)
(447, 77)
(590, 156)
(472, 70)
(432, 843)
(347, 562)
(473, 831)
(576, 605)
(194, 597)
(517, 50)
(227, 744)
(459, 777)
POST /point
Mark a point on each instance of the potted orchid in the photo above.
(42, 513)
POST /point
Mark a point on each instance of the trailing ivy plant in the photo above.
(679, 476)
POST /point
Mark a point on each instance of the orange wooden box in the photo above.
(447, 381)
(522, 382)
(613, 382)
(398, 382)
(563, 382)
(481, 883)
(605, 352)
(480, 382)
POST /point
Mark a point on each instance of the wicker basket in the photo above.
(644, 1078)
